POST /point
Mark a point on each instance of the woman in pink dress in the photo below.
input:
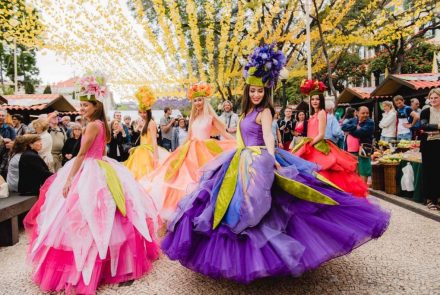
(93, 223)
(336, 165)
(180, 171)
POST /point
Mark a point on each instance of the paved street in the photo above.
(406, 260)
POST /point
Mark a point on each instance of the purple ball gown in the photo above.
(247, 220)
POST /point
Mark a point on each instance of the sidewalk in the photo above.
(407, 204)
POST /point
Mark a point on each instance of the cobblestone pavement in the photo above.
(405, 260)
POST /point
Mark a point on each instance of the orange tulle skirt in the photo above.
(180, 173)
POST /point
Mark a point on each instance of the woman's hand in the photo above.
(280, 145)
(66, 187)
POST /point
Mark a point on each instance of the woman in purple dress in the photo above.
(262, 212)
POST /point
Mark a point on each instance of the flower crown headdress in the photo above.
(264, 66)
(92, 87)
(312, 87)
(200, 89)
(145, 97)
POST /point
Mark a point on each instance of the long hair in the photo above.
(266, 102)
(147, 121)
(99, 114)
(20, 145)
(207, 110)
(299, 112)
(321, 103)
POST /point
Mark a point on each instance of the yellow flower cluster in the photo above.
(20, 22)
(167, 54)
(145, 97)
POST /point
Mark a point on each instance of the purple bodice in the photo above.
(251, 132)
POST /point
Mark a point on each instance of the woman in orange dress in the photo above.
(336, 165)
(180, 171)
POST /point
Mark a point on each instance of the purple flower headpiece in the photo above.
(264, 66)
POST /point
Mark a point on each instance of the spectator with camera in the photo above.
(180, 134)
(166, 127)
(286, 126)
(116, 149)
(229, 118)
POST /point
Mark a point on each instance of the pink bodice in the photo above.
(97, 148)
(201, 128)
(313, 126)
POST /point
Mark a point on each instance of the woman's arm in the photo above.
(322, 120)
(266, 124)
(90, 134)
(388, 120)
(152, 130)
(424, 121)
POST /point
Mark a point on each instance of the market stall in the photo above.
(397, 169)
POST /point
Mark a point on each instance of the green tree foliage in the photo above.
(417, 59)
(27, 70)
(47, 90)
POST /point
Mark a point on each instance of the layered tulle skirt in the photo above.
(265, 230)
(141, 160)
(179, 173)
(89, 238)
(337, 165)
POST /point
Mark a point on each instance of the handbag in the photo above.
(366, 150)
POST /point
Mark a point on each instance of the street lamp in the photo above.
(284, 75)
(14, 23)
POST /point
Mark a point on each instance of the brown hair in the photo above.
(22, 143)
(321, 103)
(19, 146)
(147, 121)
(99, 114)
(266, 102)
(398, 97)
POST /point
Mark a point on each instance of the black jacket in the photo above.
(71, 146)
(116, 143)
(32, 173)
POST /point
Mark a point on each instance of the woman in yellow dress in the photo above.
(146, 157)
(181, 170)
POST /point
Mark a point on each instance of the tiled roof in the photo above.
(350, 92)
(420, 81)
(36, 102)
(392, 84)
(38, 107)
(363, 92)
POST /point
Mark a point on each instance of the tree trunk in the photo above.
(324, 50)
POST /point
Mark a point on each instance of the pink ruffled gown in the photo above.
(84, 240)
(180, 171)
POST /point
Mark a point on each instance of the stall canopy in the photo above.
(355, 95)
(407, 85)
(40, 103)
